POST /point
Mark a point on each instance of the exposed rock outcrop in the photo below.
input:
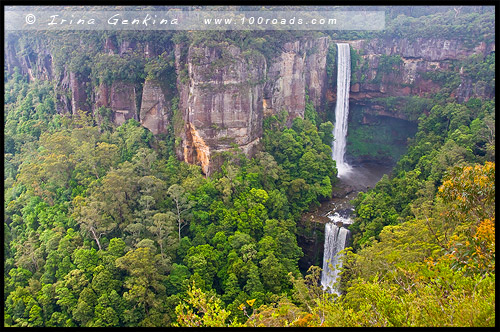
(300, 69)
(224, 92)
(417, 57)
(155, 112)
(428, 49)
(119, 97)
(78, 85)
(220, 99)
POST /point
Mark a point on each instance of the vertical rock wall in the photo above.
(155, 112)
(120, 98)
(224, 92)
(300, 69)
(418, 56)
(220, 101)
(78, 86)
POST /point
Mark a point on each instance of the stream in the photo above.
(361, 178)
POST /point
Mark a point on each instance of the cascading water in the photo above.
(336, 239)
(342, 108)
(336, 236)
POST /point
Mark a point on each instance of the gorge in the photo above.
(223, 102)
(211, 104)
(160, 178)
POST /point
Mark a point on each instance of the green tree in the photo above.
(162, 227)
(182, 205)
(273, 274)
(204, 261)
(88, 215)
(201, 309)
(144, 282)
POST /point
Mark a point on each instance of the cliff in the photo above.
(220, 101)
(154, 110)
(301, 66)
(224, 91)
(398, 67)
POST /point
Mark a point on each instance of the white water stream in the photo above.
(336, 239)
(342, 108)
(337, 236)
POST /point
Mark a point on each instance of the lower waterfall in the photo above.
(336, 239)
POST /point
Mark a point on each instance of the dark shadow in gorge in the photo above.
(310, 235)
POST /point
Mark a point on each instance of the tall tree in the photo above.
(182, 205)
(91, 220)
(162, 227)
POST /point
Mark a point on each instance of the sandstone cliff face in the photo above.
(78, 85)
(286, 87)
(425, 49)
(220, 101)
(224, 92)
(300, 67)
(418, 56)
(316, 80)
(38, 66)
(120, 98)
(154, 113)
(389, 74)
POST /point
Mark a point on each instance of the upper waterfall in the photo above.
(342, 107)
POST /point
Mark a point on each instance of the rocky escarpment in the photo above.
(78, 85)
(220, 101)
(397, 67)
(155, 111)
(299, 70)
(224, 91)
(420, 48)
(392, 84)
(120, 97)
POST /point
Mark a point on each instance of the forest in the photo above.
(104, 226)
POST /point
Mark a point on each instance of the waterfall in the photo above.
(336, 239)
(342, 107)
(336, 236)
